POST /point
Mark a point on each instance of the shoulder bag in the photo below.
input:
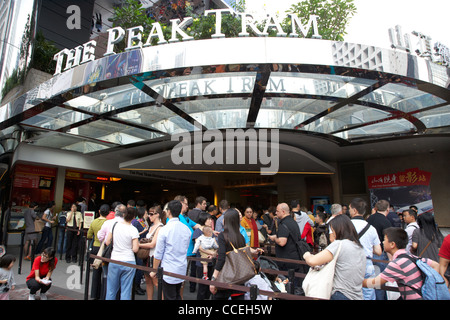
(104, 251)
(318, 283)
(238, 267)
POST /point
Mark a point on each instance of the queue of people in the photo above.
(367, 247)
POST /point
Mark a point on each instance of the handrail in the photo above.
(277, 295)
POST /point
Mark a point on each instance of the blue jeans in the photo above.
(337, 295)
(120, 277)
(379, 267)
(369, 293)
(46, 239)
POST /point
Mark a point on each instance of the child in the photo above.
(7, 281)
(261, 281)
(401, 270)
(205, 242)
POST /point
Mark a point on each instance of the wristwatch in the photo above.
(213, 278)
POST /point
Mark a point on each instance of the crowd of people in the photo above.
(370, 247)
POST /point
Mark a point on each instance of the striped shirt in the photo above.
(406, 274)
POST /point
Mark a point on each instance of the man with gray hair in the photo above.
(120, 211)
(336, 209)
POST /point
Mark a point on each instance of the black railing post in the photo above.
(291, 276)
(62, 242)
(22, 237)
(33, 252)
(88, 272)
(159, 275)
(253, 292)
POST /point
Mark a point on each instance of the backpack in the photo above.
(433, 287)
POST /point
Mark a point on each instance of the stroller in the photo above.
(277, 281)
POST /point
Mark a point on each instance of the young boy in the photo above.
(401, 270)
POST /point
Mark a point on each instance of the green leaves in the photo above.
(334, 16)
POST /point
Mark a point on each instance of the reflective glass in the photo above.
(204, 84)
(218, 113)
(346, 117)
(378, 129)
(316, 84)
(56, 118)
(402, 97)
(157, 117)
(110, 99)
(439, 117)
(288, 112)
(86, 147)
(67, 142)
(113, 132)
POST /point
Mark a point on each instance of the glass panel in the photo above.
(86, 147)
(110, 99)
(157, 117)
(383, 128)
(67, 142)
(439, 117)
(56, 118)
(402, 97)
(218, 113)
(113, 132)
(345, 117)
(204, 84)
(316, 84)
(287, 112)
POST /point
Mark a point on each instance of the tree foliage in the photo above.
(334, 16)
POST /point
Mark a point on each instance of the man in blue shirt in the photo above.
(171, 251)
(191, 225)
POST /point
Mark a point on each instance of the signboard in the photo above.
(26, 181)
(86, 52)
(89, 216)
(403, 189)
(409, 177)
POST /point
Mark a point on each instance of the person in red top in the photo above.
(41, 272)
(444, 259)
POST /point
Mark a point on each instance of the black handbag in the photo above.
(109, 248)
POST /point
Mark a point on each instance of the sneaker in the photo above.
(43, 296)
(31, 297)
(27, 258)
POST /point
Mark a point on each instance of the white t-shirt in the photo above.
(123, 236)
(370, 237)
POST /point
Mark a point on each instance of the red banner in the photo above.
(409, 177)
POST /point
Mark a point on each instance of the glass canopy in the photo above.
(342, 105)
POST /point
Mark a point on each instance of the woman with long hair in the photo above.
(41, 272)
(230, 237)
(426, 240)
(350, 263)
(157, 218)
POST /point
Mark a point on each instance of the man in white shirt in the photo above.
(368, 237)
(410, 217)
(120, 211)
(171, 251)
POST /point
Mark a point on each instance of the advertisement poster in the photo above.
(89, 216)
(403, 189)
